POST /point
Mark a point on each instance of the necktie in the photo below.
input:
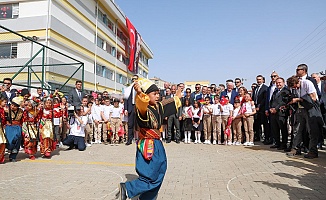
(256, 95)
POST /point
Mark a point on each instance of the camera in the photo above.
(71, 111)
(288, 98)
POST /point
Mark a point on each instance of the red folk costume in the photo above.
(3, 140)
(29, 129)
(46, 132)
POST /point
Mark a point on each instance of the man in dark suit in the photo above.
(174, 119)
(230, 92)
(76, 95)
(271, 88)
(259, 97)
(6, 92)
(129, 107)
(279, 114)
(163, 91)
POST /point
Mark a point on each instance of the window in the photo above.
(109, 48)
(109, 74)
(104, 72)
(8, 50)
(145, 74)
(113, 51)
(104, 18)
(119, 56)
(9, 11)
(122, 37)
(100, 42)
(98, 70)
(121, 79)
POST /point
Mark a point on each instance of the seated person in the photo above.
(76, 137)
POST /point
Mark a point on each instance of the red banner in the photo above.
(132, 38)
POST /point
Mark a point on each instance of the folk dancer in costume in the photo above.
(13, 130)
(151, 162)
(46, 129)
(3, 140)
(30, 130)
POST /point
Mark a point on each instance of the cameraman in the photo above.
(76, 138)
(307, 116)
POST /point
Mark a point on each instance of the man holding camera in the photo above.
(76, 138)
(308, 116)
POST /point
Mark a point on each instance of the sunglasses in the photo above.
(274, 76)
(299, 69)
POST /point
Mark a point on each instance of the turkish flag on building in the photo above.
(132, 38)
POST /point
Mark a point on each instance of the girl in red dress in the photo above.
(3, 139)
(30, 119)
(46, 129)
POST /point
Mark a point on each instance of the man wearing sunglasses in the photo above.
(270, 90)
(238, 84)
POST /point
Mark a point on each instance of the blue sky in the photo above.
(218, 40)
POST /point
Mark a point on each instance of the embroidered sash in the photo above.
(145, 143)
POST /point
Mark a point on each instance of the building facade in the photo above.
(91, 31)
(191, 84)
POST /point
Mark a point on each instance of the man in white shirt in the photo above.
(76, 138)
(304, 119)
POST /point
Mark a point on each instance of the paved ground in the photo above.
(194, 172)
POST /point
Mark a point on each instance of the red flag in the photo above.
(132, 38)
(243, 109)
(227, 131)
(223, 101)
(189, 111)
(229, 121)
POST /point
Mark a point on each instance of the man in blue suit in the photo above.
(229, 92)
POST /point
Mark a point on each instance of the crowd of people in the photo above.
(43, 122)
(287, 114)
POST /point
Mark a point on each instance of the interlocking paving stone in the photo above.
(198, 171)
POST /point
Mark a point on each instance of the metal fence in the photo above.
(32, 64)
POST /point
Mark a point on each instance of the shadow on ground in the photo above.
(312, 184)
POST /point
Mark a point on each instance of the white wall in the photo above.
(33, 8)
(88, 63)
(70, 20)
